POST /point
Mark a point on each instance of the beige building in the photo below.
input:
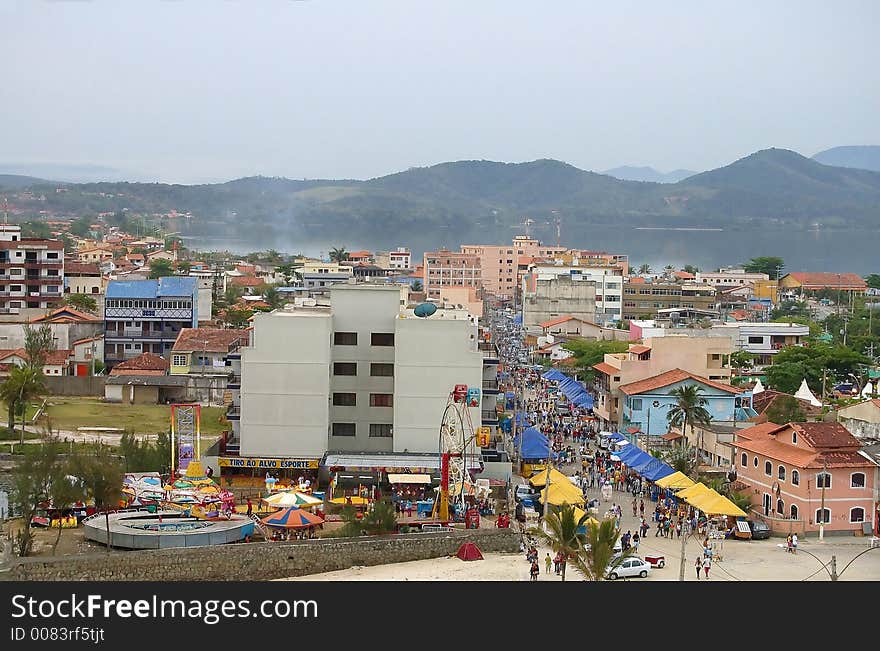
(702, 356)
(445, 268)
(862, 420)
(729, 277)
(553, 297)
(464, 298)
(499, 263)
(646, 300)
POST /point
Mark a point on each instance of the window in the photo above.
(127, 346)
(345, 368)
(382, 339)
(380, 430)
(744, 460)
(636, 404)
(793, 512)
(178, 360)
(780, 507)
(52, 256)
(756, 340)
(820, 519)
(857, 480)
(823, 480)
(857, 514)
(794, 437)
(781, 473)
(756, 462)
(795, 478)
(382, 370)
(345, 338)
(344, 399)
(343, 429)
(381, 400)
(768, 468)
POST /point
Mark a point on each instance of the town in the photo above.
(276, 397)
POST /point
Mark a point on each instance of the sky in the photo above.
(190, 91)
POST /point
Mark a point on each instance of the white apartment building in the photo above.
(361, 375)
(729, 277)
(608, 281)
(400, 258)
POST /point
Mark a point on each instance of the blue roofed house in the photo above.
(648, 402)
(143, 316)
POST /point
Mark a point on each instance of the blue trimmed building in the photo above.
(145, 316)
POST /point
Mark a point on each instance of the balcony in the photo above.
(490, 385)
(234, 382)
(233, 413)
(489, 416)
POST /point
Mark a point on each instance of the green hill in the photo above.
(865, 157)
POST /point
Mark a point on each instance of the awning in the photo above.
(393, 462)
(395, 478)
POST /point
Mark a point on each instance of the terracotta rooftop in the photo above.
(143, 362)
(560, 319)
(820, 279)
(607, 369)
(684, 275)
(826, 435)
(211, 340)
(764, 439)
(83, 268)
(54, 358)
(65, 314)
(246, 281)
(638, 349)
(671, 377)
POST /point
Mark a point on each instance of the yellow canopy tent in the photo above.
(578, 514)
(539, 479)
(696, 489)
(717, 504)
(356, 500)
(676, 481)
(562, 493)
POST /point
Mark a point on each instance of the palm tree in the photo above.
(645, 268)
(689, 409)
(682, 457)
(23, 384)
(563, 533)
(338, 254)
(599, 557)
(273, 298)
(417, 286)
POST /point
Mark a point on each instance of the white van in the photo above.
(605, 440)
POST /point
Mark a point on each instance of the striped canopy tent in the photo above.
(292, 498)
(292, 518)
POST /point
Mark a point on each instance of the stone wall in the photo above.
(257, 561)
(70, 385)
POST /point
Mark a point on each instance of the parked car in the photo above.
(524, 491)
(631, 566)
(760, 530)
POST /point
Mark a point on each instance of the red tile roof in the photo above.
(671, 377)
(827, 279)
(81, 268)
(764, 439)
(607, 369)
(740, 315)
(638, 280)
(65, 314)
(211, 340)
(143, 362)
(826, 435)
(684, 275)
(246, 281)
(55, 358)
(638, 349)
(560, 319)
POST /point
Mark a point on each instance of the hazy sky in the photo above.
(192, 90)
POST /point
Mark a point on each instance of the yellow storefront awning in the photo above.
(540, 478)
(396, 478)
(717, 504)
(696, 489)
(562, 494)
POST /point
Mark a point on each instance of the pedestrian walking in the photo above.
(635, 507)
(250, 507)
(794, 542)
(547, 563)
(698, 564)
(707, 565)
(534, 570)
(642, 508)
(788, 544)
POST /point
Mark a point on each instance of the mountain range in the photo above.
(770, 188)
(865, 157)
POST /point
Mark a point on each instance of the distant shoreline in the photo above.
(674, 228)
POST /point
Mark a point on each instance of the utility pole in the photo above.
(822, 507)
(834, 568)
(824, 376)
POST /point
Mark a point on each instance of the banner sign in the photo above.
(279, 464)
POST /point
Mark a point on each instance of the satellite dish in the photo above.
(424, 310)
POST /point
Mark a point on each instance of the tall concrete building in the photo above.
(560, 296)
(361, 376)
(608, 281)
(31, 271)
(446, 268)
(499, 263)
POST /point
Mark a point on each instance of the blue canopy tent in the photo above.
(534, 444)
(617, 436)
(656, 470)
(633, 457)
(518, 319)
(554, 375)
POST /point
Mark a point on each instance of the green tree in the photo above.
(682, 457)
(100, 471)
(691, 269)
(81, 227)
(273, 256)
(769, 264)
(742, 500)
(64, 490)
(184, 267)
(790, 308)
(379, 518)
(417, 286)
(161, 268)
(273, 298)
(588, 352)
(31, 483)
(338, 254)
(795, 363)
(237, 317)
(785, 409)
(562, 535)
(599, 560)
(742, 360)
(689, 409)
(23, 385)
(82, 302)
(290, 273)
(352, 524)
(644, 269)
(39, 343)
(873, 281)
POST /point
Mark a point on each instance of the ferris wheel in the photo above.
(456, 437)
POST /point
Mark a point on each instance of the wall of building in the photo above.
(431, 356)
(364, 311)
(258, 561)
(560, 296)
(12, 334)
(77, 386)
(285, 385)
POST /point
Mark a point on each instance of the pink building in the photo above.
(444, 269)
(789, 469)
(500, 263)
